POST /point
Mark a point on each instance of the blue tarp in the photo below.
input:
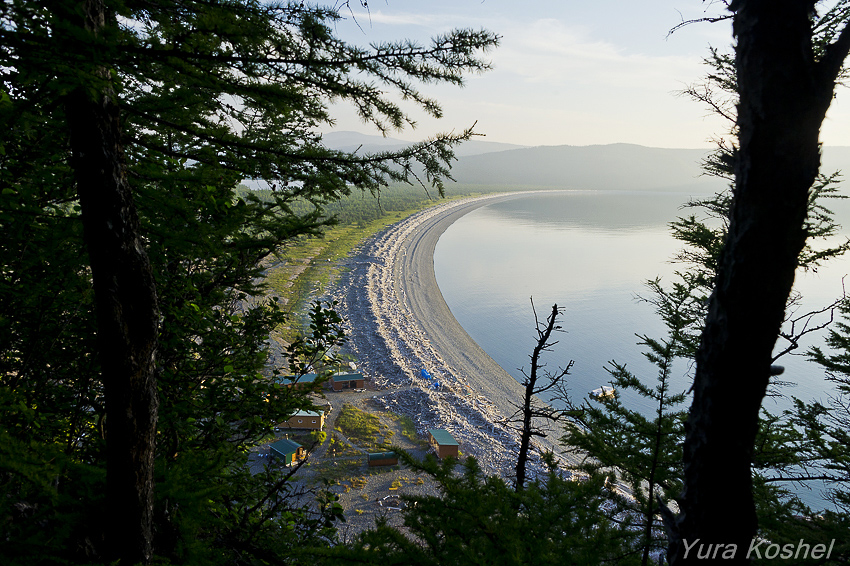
(425, 374)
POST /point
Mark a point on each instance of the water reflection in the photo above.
(590, 252)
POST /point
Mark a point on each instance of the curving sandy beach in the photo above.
(399, 324)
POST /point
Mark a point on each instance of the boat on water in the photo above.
(604, 391)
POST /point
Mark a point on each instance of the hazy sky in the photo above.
(570, 72)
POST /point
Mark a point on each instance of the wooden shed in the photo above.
(288, 451)
(444, 443)
(304, 419)
(382, 459)
(348, 381)
(298, 381)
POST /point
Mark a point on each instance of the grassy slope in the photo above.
(308, 267)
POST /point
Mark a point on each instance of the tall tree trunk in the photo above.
(125, 297)
(525, 436)
(784, 95)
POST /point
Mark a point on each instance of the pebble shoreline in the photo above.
(398, 324)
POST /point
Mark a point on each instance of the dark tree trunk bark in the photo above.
(127, 314)
(784, 95)
(527, 411)
(525, 436)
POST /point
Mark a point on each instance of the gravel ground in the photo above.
(399, 324)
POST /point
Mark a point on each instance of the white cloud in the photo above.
(562, 79)
(548, 51)
(394, 19)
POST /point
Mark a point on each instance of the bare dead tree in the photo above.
(538, 381)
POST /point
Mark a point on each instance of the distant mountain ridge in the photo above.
(618, 166)
(595, 167)
(353, 141)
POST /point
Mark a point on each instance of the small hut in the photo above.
(298, 381)
(444, 443)
(382, 459)
(348, 381)
(304, 419)
(288, 451)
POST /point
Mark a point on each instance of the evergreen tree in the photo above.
(639, 455)
(829, 425)
(179, 101)
(785, 85)
(825, 448)
(483, 520)
(783, 448)
(781, 451)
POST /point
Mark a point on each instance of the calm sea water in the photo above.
(591, 253)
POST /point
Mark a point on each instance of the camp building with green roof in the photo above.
(297, 381)
(342, 381)
(444, 443)
(287, 450)
(382, 459)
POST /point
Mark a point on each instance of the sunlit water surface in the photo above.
(590, 252)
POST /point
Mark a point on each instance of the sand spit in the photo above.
(399, 324)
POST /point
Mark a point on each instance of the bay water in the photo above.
(591, 253)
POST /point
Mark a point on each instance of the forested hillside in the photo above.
(361, 208)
